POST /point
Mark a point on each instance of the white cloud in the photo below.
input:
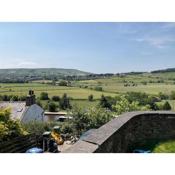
(158, 42)
(27, 64)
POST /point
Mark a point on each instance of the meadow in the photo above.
(111, 86)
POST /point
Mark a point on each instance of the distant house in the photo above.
(25, 111)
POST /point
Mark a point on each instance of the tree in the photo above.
(44, 96)
(91, 97)
(56, 98)
(123, 105)
(107, 102)
(166, 106)
(9, 128)
(63, 83)
(52, 107)
(84, 120)
(65, 102)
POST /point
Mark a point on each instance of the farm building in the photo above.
(25, 111)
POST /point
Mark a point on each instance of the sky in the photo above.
(92, 47)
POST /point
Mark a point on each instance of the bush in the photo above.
(52, 107)
(44, 96)
(56, 98)
(98, 88)
(9, 128)
(123, 105)
(63, 83)
(163, 96)
(91, 97)
(107, 102)
(166, 106)
(38, 127)
(14, 98)
(84, 120)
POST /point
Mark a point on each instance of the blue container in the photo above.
(35, 150)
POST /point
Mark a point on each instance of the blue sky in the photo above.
(92, 47)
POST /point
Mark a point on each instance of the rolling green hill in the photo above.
(37, 74)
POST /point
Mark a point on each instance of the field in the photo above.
(73, 92)
(151, 84)
(111, 86)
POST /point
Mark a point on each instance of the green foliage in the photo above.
(163, 96)
(123, 105)
(65, 102)
(165, 147)
(38, 102)
(44, 96)
(84, 120)
(90, 97)
(67, 128)
(56, 98)
(9, 128)
(38, 127)
(172, 95)
(52, 107)
(98, 88)
(166, 106)
(63, 83)
(107, 102)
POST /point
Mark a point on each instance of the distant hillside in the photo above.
(164, 70)
(20, 75)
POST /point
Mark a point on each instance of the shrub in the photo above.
(123, 105)
(106, 102)
(52, 107)
(98, 88)
(9, 128)
(44, 96)
(84, 120)
(91, 97)
(166, 106)
(63, 83)
(56, 98)
(38, 127)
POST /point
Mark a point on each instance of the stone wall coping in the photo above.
(99, 136)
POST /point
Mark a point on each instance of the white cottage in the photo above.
(25, 111)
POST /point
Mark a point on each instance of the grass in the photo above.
(73, 92)
(116, 84)
(157, 146)
(165, 147)
(84, 103)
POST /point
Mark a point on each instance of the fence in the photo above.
(20, 144)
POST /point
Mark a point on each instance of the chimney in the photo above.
(30, 99)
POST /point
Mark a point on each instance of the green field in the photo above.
(73, 92)
(116, 84)
(112, 86)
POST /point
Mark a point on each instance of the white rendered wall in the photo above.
(33, 113)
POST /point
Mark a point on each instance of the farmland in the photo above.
(79, 90)
(148, 83)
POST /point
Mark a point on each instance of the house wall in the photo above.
(33, 112)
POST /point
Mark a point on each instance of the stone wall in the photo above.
(126, 131)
